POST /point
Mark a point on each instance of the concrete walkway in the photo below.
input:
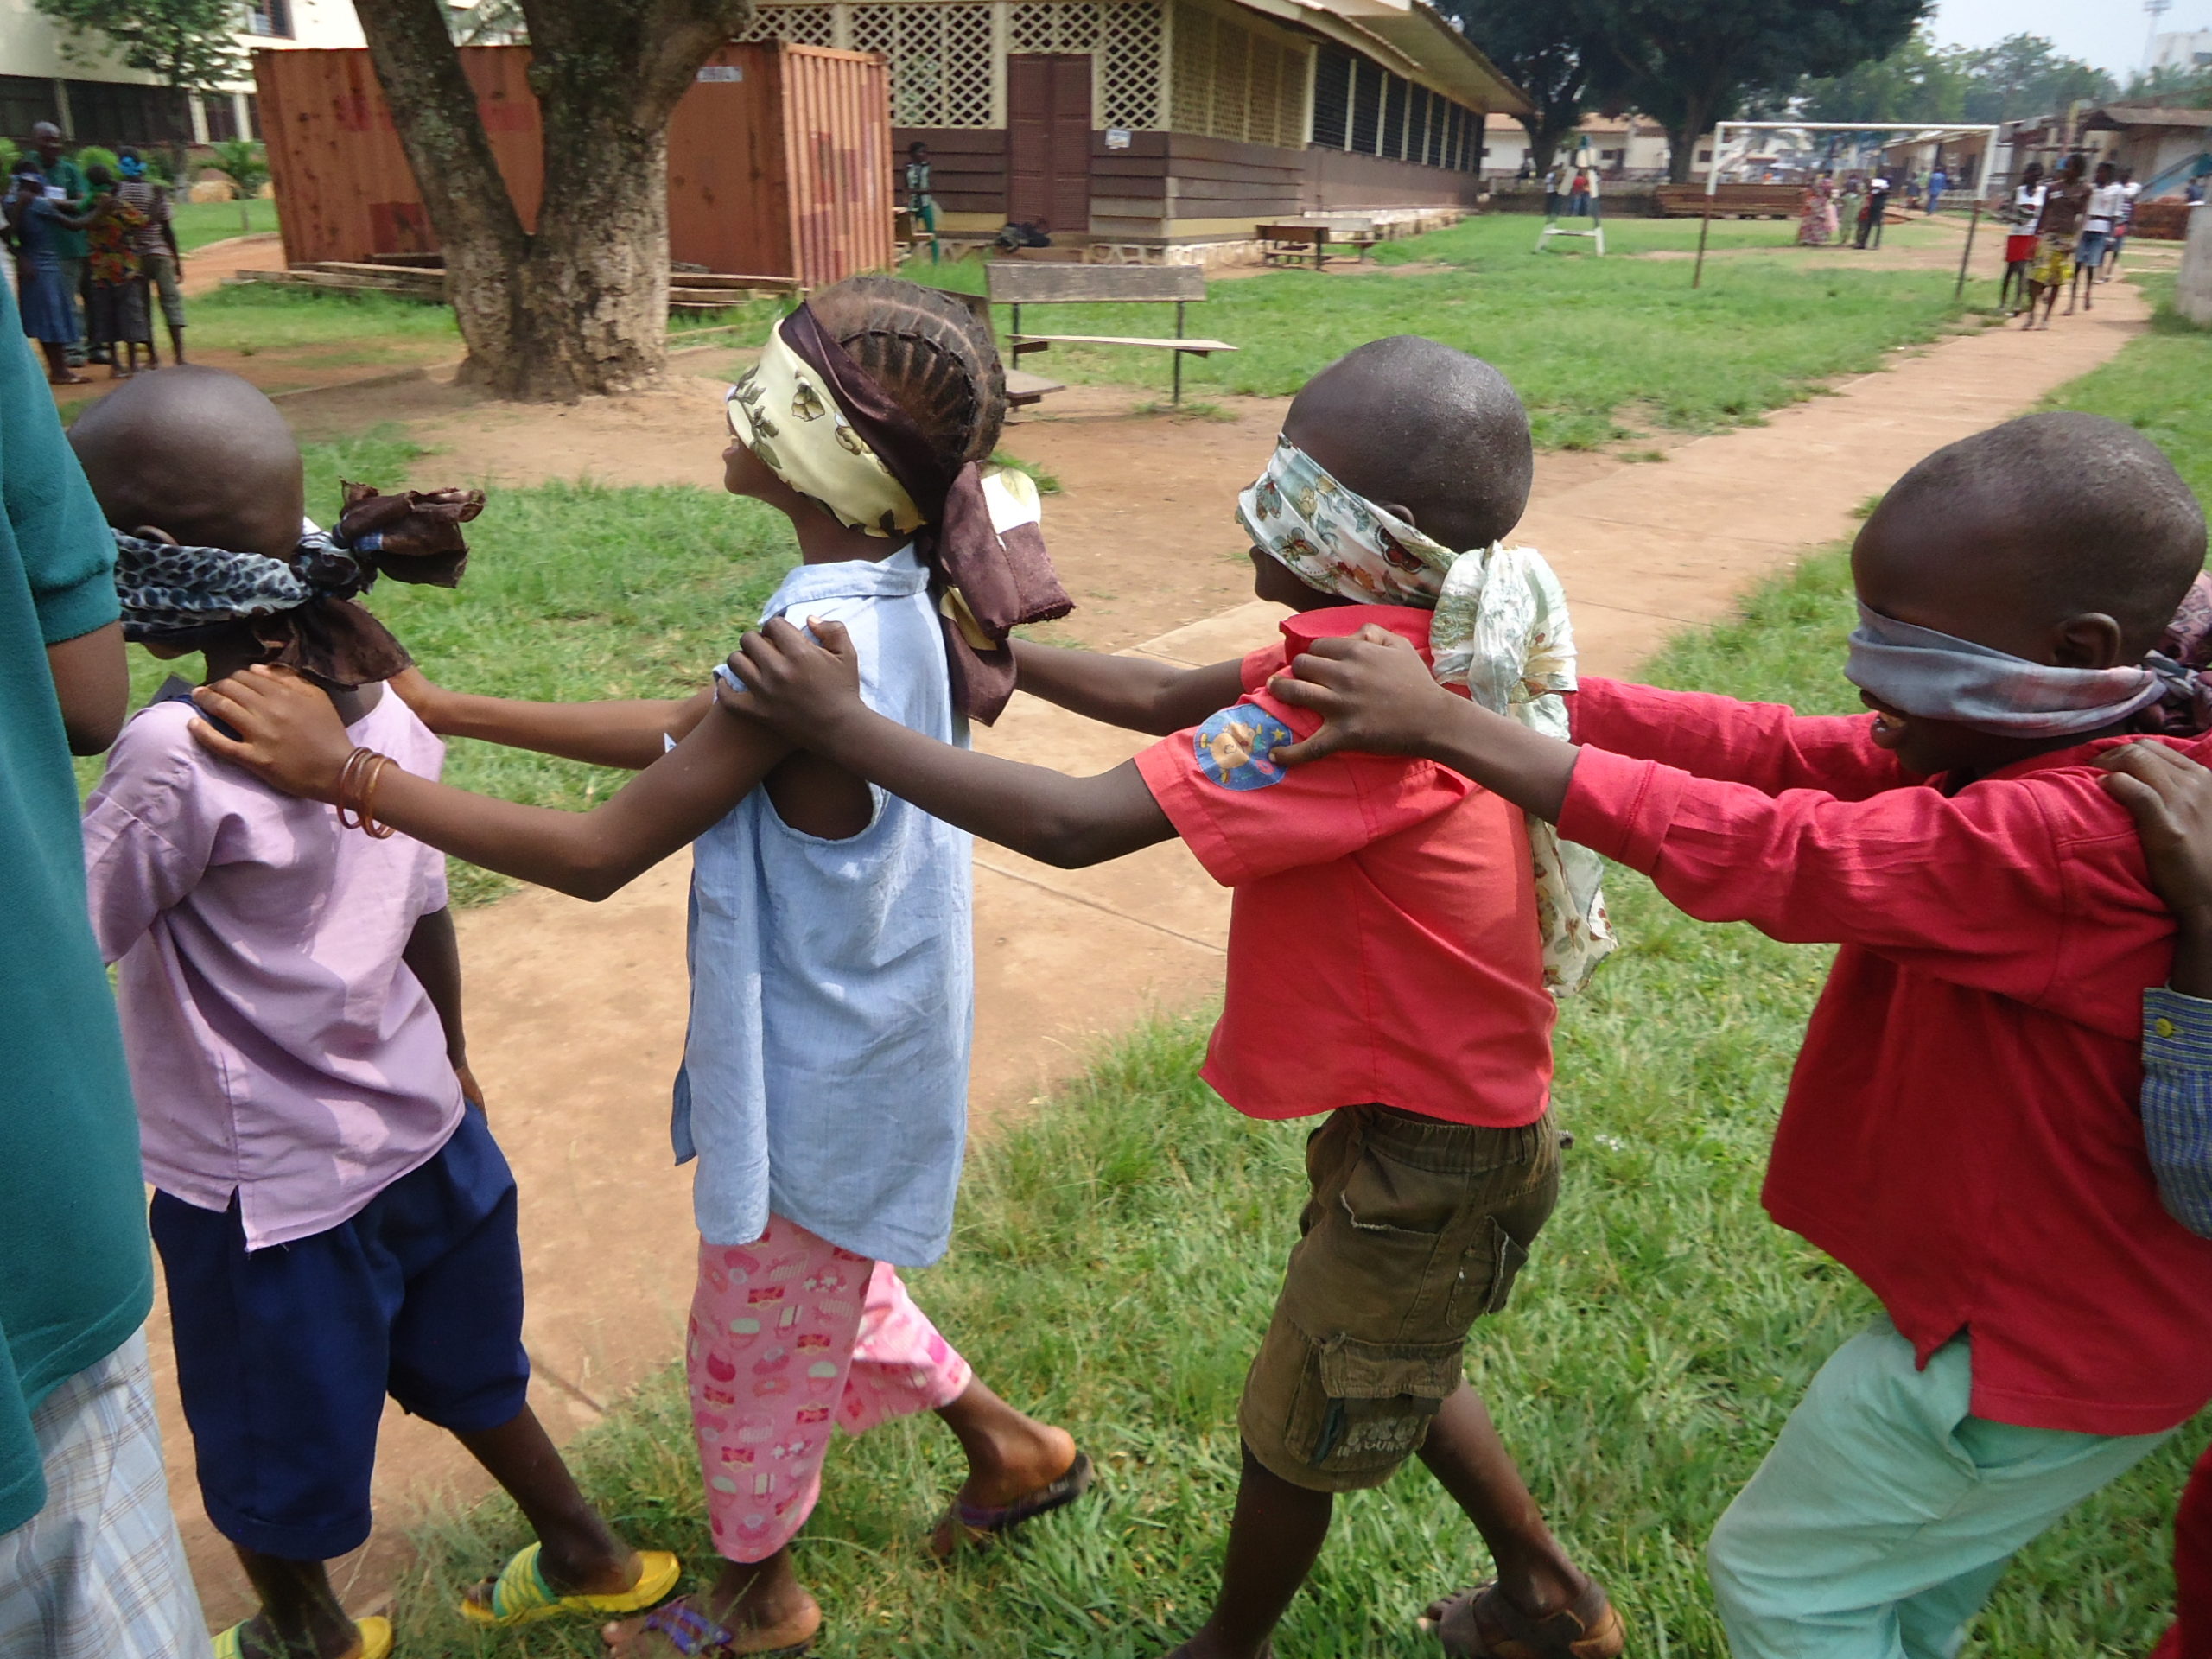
(576, 1011)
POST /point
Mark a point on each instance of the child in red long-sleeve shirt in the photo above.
(1960, 1130)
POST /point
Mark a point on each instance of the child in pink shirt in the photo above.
(334, 1220)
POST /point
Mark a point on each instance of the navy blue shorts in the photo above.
(283, 1356)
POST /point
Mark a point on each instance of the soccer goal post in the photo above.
(1791, 150)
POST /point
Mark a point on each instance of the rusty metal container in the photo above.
(780, 158)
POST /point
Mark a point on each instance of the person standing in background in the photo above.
(1870, 216)
(90, 1565)
(70, 191)
(2025, 209)
(160, 261)
(1938, 182)
(920, 202)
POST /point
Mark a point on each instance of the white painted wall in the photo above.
(32, 44)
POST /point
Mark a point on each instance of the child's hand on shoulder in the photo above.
(792, 683)
(1372, 690)
(2170, 796)
(288, 734)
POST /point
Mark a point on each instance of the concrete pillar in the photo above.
(2193, 292)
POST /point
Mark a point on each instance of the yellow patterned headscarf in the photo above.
(819, 423)
(1501, 630)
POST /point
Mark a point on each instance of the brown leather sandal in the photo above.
(1481, 1624)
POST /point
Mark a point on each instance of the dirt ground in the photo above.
(577, 1064)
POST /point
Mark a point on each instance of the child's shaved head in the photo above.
(198, 454)
(1415, 425)
(2015, 529)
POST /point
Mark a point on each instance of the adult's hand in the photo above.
(1373, 692)
(288, 734)
(791, 684)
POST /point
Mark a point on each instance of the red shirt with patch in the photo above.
(1383, 943)
(1960, 1130)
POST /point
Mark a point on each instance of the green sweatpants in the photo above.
(1885, 1513)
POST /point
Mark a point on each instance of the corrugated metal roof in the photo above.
(2113, 116)
(1411, 37)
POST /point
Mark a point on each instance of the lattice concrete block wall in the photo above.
(947, 60)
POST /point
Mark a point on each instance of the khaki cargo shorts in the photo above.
(1415, 1229)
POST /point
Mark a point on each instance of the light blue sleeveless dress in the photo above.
(825, 1072)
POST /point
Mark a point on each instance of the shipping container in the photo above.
(779, 158)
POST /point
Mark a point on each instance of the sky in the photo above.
(2111, 33)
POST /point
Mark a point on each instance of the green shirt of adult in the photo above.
(76, 1276)
(70, 177)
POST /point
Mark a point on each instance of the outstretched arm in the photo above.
(1139, 694)
(1375, 695)
(810, 693)
(290, 738)
(624, 733)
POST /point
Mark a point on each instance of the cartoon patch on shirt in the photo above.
(1236, 747)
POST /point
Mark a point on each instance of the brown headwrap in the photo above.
(302, 610)
(987, 582)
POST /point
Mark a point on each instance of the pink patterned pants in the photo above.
(788, 1335)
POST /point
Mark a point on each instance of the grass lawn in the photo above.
(1596, 347)
(198, 223)
(253, 318)
(1117, 1253)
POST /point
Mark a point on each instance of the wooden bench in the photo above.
(1731, 200)
(1015, 283)
(1284, 245)
(1355, 230)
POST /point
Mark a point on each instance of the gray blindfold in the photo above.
(1933, 674)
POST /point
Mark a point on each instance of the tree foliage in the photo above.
(2023, 75)
(1688, 63)
(187, 44)
(1552, 52)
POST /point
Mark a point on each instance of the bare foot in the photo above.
(70, 379)
(1011, 1456)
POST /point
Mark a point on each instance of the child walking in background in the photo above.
(1406, 924)
(824, 1085)
(1961, 1130)
(334, 1218)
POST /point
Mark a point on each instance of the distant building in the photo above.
(74, 82)
(1152, 122)
(2164, 148)
(2183, 50)
(1623, 146)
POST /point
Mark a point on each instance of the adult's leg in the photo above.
(2191, 1634)
(1886, 1512)
(99, 1573)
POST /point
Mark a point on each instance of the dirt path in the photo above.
(577, 1063)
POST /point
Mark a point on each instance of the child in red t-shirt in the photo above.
(1961, 1130)
(1402, 916)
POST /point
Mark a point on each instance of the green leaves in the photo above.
(187, 44)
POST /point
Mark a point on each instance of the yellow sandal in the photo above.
(375, 1639)
(521, 1596)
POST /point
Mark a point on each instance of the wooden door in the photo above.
(1048, 140)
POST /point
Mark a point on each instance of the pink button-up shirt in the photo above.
(279, 1048)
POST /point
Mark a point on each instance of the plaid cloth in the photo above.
(99, 1573)
(2177, 1103)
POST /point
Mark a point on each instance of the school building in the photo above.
(1167, 122)
(84, 89)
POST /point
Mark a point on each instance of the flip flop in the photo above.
(974, 1524)
(695, 1636)
(1481, 1624)
(521, 1596)
(375, 1639)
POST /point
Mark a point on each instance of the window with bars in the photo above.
(1332, 98)
(268, 17)
(1417, 126)
(1367, 83)
(1234, 83)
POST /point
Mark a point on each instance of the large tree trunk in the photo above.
(580, 306)
(1683, 134)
